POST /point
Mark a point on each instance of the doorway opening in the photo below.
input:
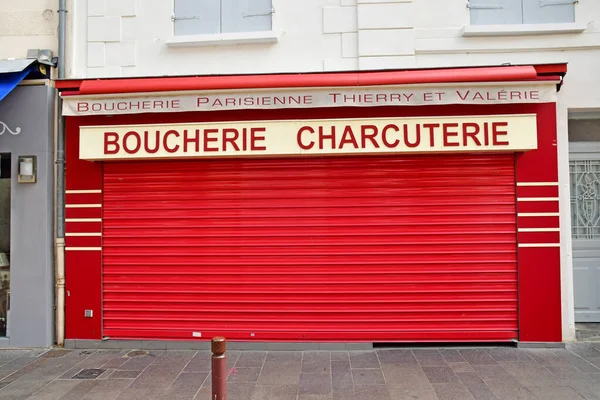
(5, 195)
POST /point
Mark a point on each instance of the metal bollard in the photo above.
(219, 368)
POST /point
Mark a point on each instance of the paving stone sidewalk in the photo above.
(382, 374)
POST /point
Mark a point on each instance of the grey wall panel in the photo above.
(31, 321)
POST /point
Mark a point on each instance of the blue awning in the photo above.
(12, 72)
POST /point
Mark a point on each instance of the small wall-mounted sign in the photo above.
(304, 137)
(305, 98)
(27, 169)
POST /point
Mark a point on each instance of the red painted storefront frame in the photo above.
(539, 267)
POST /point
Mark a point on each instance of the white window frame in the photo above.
(523, 29)
(233, 38)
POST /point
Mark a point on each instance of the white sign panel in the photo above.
(307, 98)
(319, 137)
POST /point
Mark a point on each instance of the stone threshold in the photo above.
(204, 345)
(273, 346)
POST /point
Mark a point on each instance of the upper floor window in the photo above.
(197, 17)
(495, 12)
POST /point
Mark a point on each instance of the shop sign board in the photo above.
(266, 99)
(310, 137)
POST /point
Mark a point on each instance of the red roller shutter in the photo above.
(355, 248)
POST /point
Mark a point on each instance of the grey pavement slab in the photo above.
(185, 386)
(452, 356)
(316, 362)
(405, 377)
(82, 389)
(478, 357)
(315, 384)
(341, 376)
(107, 389)
(200, 362)
(492, 373)
(452, 391)
(510, 390)
(367, 376)
(440, 375)
(595, 377)
(364, 359)
(461, 367)
(509, 354)
(419, 394)
(476, 386)
(248, 359)
(381, 374)
(340, 356)
(55, 390)
(396, 357)
(530, 374)
(244, 375)
(280, 374)
(430, 358)
(121, 374)
(370, 392)
(275, 392)
(556, 393)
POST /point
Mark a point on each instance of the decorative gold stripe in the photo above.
(537, 183)
(539, 229)
(83, 234)
(547, 214)
(92, 191)
(539, 244)
(538, 199)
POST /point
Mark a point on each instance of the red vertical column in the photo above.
(538, 235)
(83, 241)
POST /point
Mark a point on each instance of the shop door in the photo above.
(585, 223)
(311, 249)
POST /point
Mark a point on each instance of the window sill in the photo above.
(223, 39)
(522, 30)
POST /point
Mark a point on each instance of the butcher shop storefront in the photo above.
(368, 207)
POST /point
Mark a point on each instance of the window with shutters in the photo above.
(197, 17)
(502, 12)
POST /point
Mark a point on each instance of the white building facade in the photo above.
(28, 44)
(28, 24)
(156, 38)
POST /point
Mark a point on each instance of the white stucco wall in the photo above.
(27, 24)
(113, 38)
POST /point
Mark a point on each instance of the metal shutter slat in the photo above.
(419, 248)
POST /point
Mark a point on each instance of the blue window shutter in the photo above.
(548, 11)
(246, 15)
(195, 17)
(496, 12)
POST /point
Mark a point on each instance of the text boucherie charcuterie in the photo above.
(311, 137)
